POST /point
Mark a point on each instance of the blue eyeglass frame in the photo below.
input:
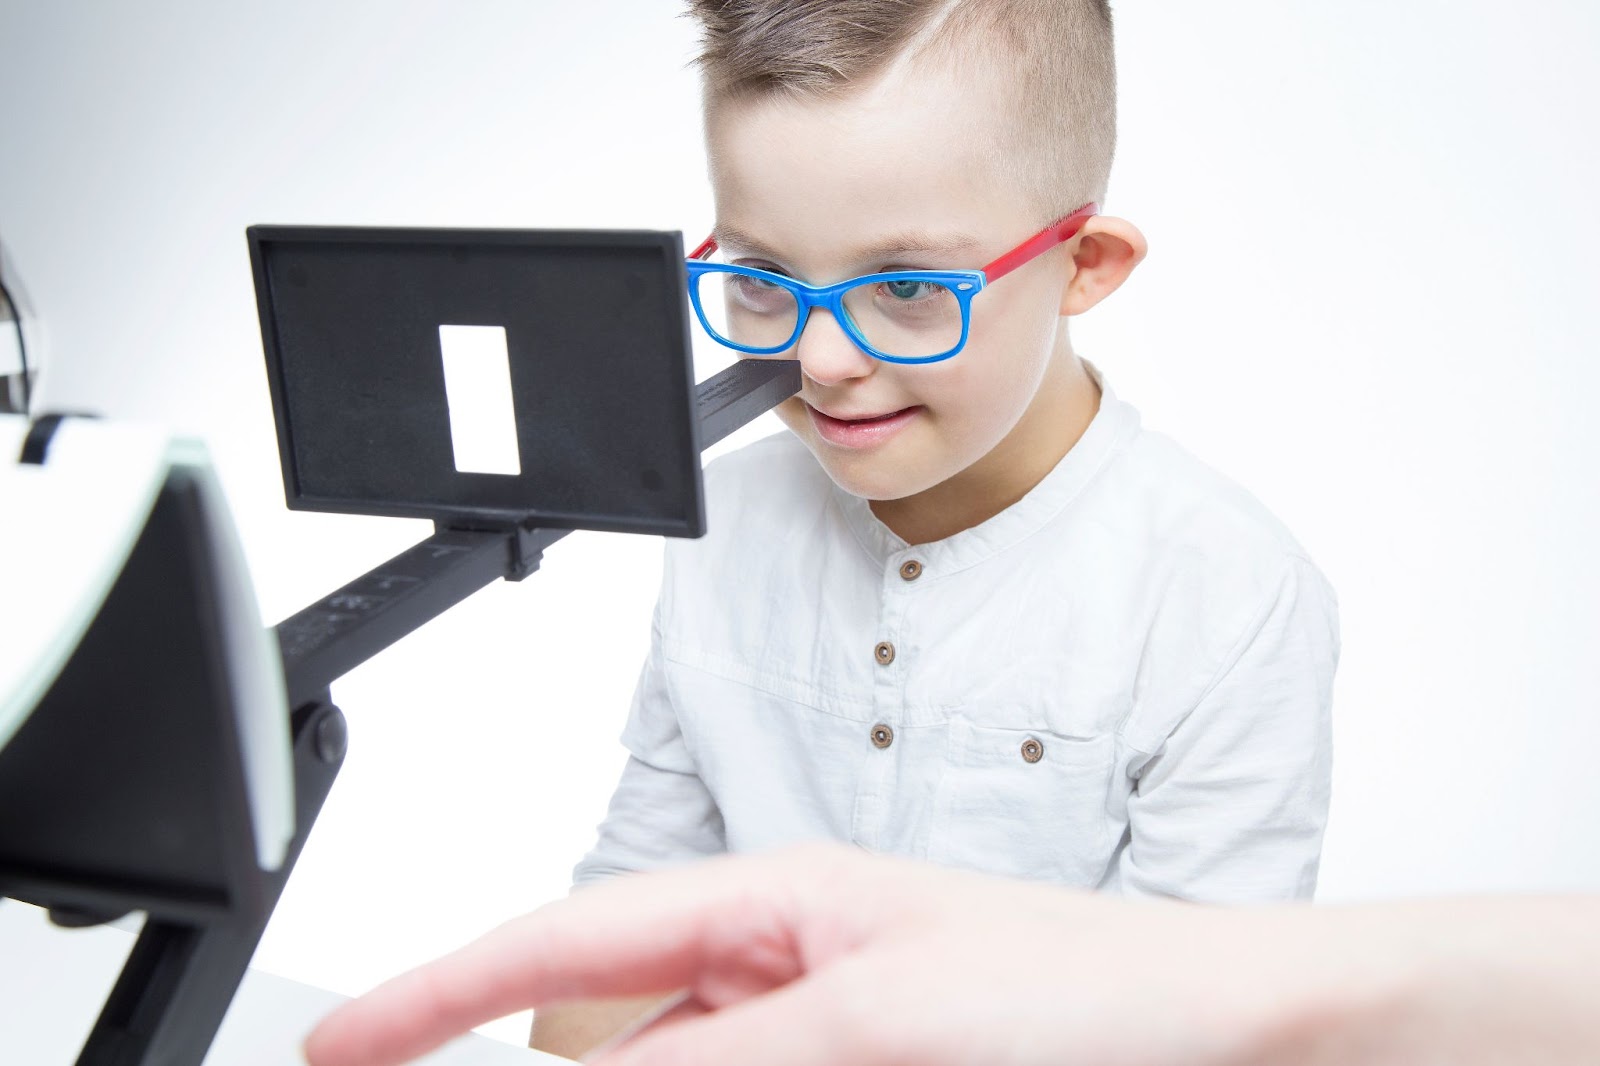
(964, 284)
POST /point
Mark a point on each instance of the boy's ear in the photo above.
(1104, 254)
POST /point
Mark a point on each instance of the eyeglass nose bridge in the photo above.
(831, 298)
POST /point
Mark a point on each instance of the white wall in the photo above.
(1369, 298)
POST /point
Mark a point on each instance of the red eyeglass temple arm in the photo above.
(1041, 242)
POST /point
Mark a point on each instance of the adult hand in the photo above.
(825, 955)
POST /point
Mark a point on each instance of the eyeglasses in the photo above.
(901, 316)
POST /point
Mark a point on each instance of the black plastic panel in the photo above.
(601, 376)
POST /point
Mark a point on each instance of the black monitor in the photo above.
(539, 377)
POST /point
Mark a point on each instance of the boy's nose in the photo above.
(827, 354)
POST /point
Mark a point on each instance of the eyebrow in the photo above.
(888, 248)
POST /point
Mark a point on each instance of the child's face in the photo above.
(891, 177)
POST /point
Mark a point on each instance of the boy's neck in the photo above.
(1067, 401)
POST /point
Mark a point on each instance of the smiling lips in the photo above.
(860, 432)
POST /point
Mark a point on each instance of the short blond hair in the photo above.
(1055, 60)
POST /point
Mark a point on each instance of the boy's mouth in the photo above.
(862, 431)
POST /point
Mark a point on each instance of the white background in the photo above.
(1370, 298)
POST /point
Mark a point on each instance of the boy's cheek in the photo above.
(792, 413)
(958, 389)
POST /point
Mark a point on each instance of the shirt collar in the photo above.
(1113, 424)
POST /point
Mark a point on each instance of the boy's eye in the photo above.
(754, 283)
(906, 289)
(758, 294)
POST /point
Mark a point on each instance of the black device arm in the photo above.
(170, 998)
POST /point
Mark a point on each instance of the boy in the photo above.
(967, 610)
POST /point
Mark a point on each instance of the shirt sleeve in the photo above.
(1232, 807)
(661, 813)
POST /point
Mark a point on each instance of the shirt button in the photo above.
(1032, 750)
(910, 570)
(882, 736)
(884, 653)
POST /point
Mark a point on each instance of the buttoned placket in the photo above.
(884, 737)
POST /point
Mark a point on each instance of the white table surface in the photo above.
(53, 983)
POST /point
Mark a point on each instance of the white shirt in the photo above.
(1123, 681)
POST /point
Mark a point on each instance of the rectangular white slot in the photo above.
(477, 387)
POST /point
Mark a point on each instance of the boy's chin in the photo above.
(872, 476)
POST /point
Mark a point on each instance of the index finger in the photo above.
(637, 935)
